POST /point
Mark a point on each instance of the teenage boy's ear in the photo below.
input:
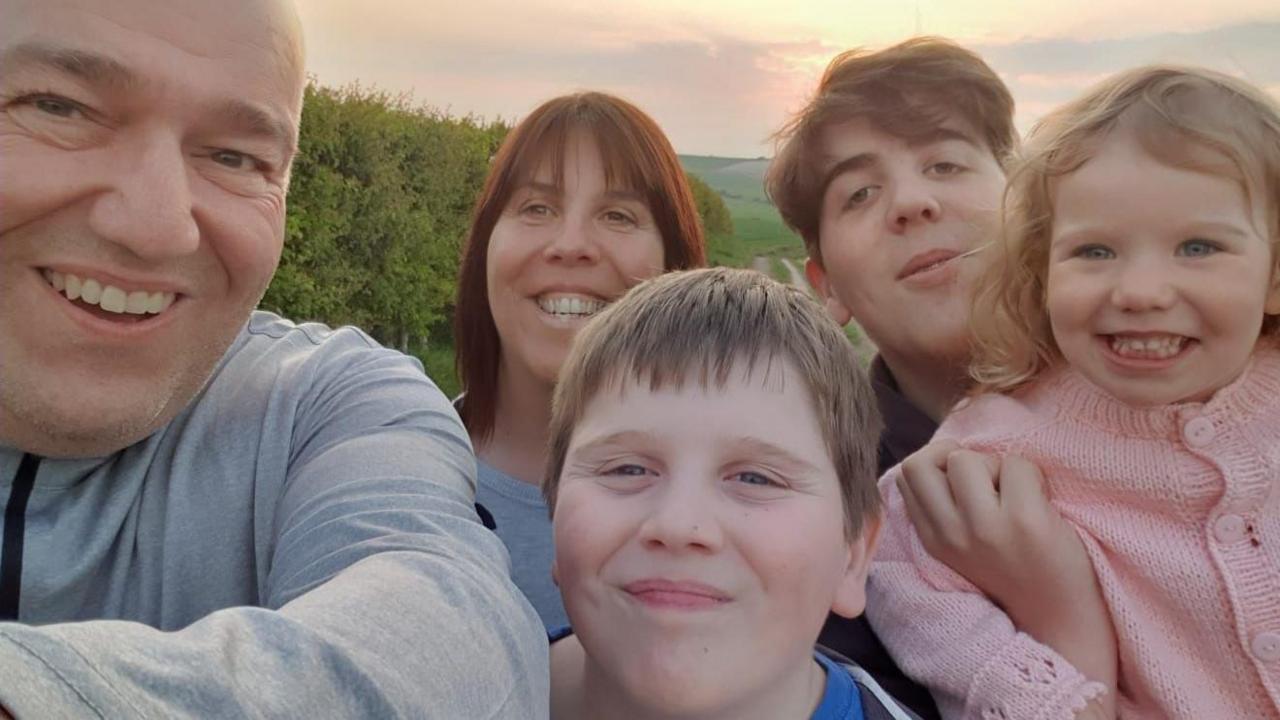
(851, 596)
(818, 279)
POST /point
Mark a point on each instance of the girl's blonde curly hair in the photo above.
(1184, 117)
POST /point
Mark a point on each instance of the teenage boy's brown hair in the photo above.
(908, 90)
(701, 325)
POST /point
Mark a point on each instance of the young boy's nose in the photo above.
(682, 519)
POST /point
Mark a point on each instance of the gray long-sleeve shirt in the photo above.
(300, 542)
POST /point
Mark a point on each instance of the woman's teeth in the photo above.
(570, 305)
(109, 297)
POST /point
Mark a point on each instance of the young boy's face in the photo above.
(700, 538)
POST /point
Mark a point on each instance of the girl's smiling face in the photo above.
(1159, 276)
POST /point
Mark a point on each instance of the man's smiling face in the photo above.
(153, 143)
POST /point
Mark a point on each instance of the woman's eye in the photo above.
(618, 217)
(628, 470)
(536, 210)
(1094, 252)
(1198, 248)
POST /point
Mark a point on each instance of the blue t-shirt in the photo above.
(840, 700)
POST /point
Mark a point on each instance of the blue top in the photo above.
(840, 701)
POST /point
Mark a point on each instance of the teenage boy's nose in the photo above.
(681, 519)
(912, 204)
(573, 244)
(148, 206)
(1142, 286)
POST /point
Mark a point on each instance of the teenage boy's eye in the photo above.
(945, 168)
(860, 196)
(1198, 248)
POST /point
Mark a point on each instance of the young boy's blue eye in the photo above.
(753, 478)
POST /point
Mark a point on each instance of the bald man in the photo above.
(210, 511)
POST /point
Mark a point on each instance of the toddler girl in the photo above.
(1126, 343)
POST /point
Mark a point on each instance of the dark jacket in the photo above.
(906, 429)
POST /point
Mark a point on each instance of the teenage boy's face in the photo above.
(700, 540)
(895, 217)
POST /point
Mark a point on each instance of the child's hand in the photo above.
(991, 521)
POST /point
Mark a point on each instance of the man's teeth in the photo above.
(1165, 346)
(109, 297)
(570, 305)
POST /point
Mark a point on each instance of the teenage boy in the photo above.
(892, 174)
(209, 511)
(712, 485)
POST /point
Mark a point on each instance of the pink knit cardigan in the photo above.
(1179, 509)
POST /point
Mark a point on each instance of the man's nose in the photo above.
(912, 203)
(148, 205)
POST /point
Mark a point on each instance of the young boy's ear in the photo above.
(818, 279)
(851, 596)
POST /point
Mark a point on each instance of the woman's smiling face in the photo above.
(559, 254)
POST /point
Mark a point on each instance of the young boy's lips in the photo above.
(676, 594)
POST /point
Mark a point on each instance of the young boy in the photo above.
(712, 485)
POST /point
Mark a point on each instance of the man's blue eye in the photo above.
(230, 158)
(56, 106)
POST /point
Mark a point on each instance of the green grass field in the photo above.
(757, 227)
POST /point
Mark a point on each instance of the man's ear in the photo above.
(818, 279)
(851, 595)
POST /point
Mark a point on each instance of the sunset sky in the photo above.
(720, 75)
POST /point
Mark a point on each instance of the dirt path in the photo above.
(861, 343)
(797, 278)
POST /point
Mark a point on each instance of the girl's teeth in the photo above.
(1157, 348)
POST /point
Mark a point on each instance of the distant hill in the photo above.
(758, 229)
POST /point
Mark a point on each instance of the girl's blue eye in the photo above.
(1198, 248)
(1094, 252)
